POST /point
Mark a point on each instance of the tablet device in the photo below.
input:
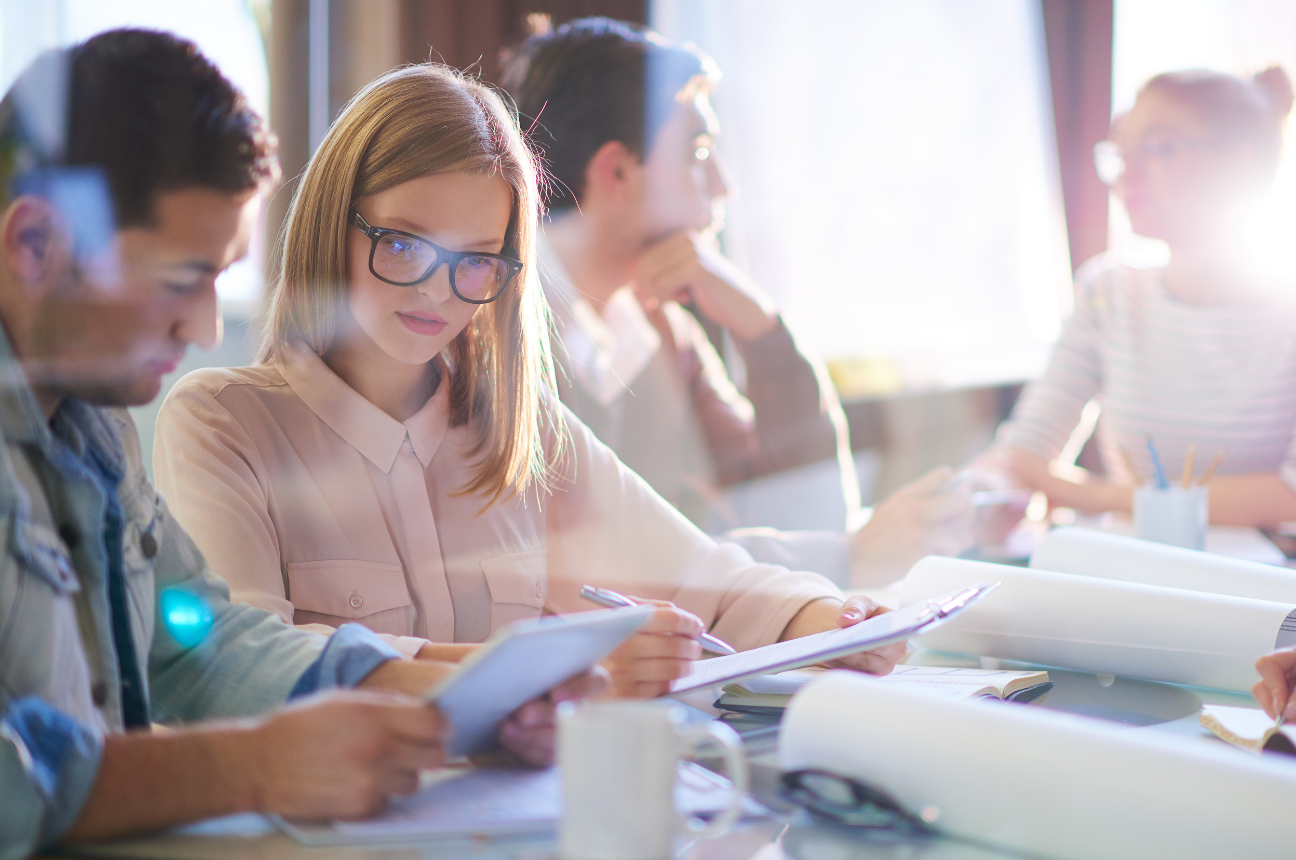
(522, 661)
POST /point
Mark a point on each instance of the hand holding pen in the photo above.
(664, 649)
(611, 599)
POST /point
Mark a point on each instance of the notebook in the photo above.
(1249, 728)
(769, 694)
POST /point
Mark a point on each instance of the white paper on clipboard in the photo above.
(871, 633)
(521, 662)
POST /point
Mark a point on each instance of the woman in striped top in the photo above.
(1199, 353)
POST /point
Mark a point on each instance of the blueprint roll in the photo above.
(1087, 552)
(1041, 782)
(1100, 625)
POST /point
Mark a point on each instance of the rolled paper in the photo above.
(1040, 782)
(1087, 552)
(1099, 625)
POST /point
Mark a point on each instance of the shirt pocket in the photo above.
(335, 592)
(43, 553)
(41, 651)
(519, 585)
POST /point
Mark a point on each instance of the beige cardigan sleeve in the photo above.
(210, 471)
(607, 527)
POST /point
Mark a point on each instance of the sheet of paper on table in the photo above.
(471, 802)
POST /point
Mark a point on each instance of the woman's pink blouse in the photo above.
(313, 503)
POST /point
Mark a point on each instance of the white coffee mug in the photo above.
(620, 762)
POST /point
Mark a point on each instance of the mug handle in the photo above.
(735, 769)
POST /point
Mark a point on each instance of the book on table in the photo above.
(770, 694)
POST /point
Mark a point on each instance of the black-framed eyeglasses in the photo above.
(847, 801)
(405, 260)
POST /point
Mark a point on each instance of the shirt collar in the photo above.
(363, 426)
(607, 351)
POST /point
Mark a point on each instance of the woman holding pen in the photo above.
(1200, 352)
(397, 457)
(1277, 680)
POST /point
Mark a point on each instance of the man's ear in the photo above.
(31, 238)
(611, 171)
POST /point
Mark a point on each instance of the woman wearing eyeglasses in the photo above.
(397, 458)
(1199, 354)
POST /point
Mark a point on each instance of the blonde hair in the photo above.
(413, 122)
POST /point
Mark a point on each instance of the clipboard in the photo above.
(872, 632)
(522, 661)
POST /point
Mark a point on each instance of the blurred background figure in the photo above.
(1200, 352)
(637, 194)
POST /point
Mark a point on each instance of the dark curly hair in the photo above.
(144, 109)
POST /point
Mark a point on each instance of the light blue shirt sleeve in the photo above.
(351, 653)
(48, 763)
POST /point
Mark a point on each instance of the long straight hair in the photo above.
(414, 122)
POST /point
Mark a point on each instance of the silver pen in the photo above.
(611, 599)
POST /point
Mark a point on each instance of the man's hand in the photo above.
(661, 651)
(528, 736)
(342, 754)
(411, 677)
(446, 652)
(689, 264)
(920, 519)
(1273, 690)
(339, 754)
(827, 614)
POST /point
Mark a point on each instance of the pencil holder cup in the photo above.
(1172, 515)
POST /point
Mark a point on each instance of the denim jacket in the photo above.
(79, 518)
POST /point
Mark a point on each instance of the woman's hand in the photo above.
(826, 614)
(1076, 489)
(646, 663)
(1277, 676)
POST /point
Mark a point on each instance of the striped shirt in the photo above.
(1220, 377)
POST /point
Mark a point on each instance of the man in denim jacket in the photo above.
(129, 175)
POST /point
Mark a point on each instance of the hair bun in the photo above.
(1275, 86)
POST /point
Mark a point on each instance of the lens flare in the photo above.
(187, 616)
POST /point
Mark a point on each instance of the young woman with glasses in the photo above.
(1197, 355)
(396, 456)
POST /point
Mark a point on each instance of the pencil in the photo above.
(1161, 481)
(1186, 481)
(1130, 467)
(1210, 470)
